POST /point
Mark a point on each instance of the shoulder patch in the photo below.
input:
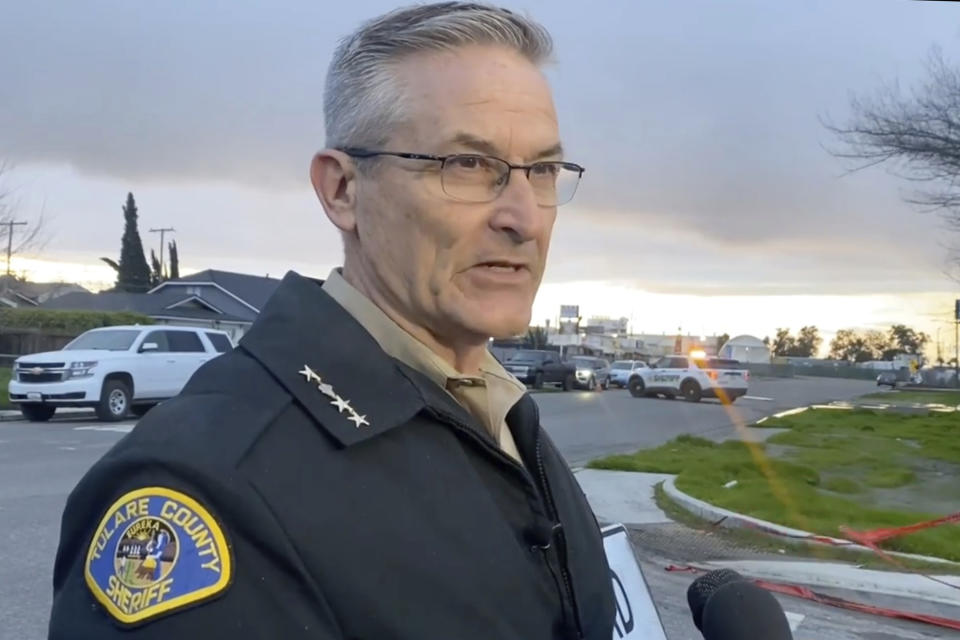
(156, 550)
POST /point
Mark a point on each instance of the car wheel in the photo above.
(141, 410)
(637, 387)
(569, 382)
(37, 412)
(691, 391)
(538, 380)
(114, 401)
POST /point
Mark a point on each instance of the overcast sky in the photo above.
(698, 121)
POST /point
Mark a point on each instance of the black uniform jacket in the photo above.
(395, 518)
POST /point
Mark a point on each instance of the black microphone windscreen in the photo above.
(741, 610)
(703, 587)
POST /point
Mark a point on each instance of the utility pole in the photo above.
(163, 235)
(10, 224)
(956, 356)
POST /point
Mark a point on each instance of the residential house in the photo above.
(209, 299)
(16, 293)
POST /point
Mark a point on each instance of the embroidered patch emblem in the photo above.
(338, 402)
(156, 550)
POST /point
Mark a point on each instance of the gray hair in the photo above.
(361, 96)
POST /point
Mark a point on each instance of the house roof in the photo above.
(253, 290)
(166, 304)
(34, 293)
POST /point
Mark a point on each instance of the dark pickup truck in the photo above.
(537, 368)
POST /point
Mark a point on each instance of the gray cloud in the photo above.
(697, 118)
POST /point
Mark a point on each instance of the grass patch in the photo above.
(842, 485)
(5, 373)
(875, 449)
(890, 478)
(866, 436)
(951, 398)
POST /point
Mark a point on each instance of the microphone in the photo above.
(541, 533)
(725, 606)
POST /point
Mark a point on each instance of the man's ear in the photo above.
(334, 175)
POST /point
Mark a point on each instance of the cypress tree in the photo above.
(134, 272)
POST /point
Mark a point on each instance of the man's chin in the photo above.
(496, 317)
(501, 326)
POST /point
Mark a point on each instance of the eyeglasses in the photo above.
(479, 178)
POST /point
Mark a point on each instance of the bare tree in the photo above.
(916, 134)
(31, 236)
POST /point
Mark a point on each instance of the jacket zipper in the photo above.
(561, 537)
(545, 490)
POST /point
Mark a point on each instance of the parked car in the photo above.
(115, 370)
(887, 379)
(537, 368)
(691, 378)
(620, 371)
(591, 372)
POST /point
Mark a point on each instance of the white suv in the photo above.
(115, 370)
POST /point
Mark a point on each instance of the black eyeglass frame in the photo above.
(360, 153)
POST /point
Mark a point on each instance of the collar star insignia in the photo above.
(343, 406)
(309, 374)
(359, 420)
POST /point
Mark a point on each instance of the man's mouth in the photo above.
(503, 266)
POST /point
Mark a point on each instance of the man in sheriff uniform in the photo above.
(361, 466)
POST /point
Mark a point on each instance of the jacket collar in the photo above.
(302, 328)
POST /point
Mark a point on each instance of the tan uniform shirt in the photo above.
(487, 397)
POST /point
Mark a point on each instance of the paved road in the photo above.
(587, 425)
(40, 463)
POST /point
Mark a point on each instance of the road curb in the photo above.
(733, 520)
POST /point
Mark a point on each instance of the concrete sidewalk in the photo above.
(623, 496)
(628, 498)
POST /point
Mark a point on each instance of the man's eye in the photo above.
(469, 163)
(545, 169)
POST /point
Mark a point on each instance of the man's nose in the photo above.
(517, 212)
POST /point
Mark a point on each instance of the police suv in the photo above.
(692, 378)
(115, 370)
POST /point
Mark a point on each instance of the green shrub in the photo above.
(71, 323)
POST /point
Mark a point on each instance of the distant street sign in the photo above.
(571, 311)
(957, 310)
